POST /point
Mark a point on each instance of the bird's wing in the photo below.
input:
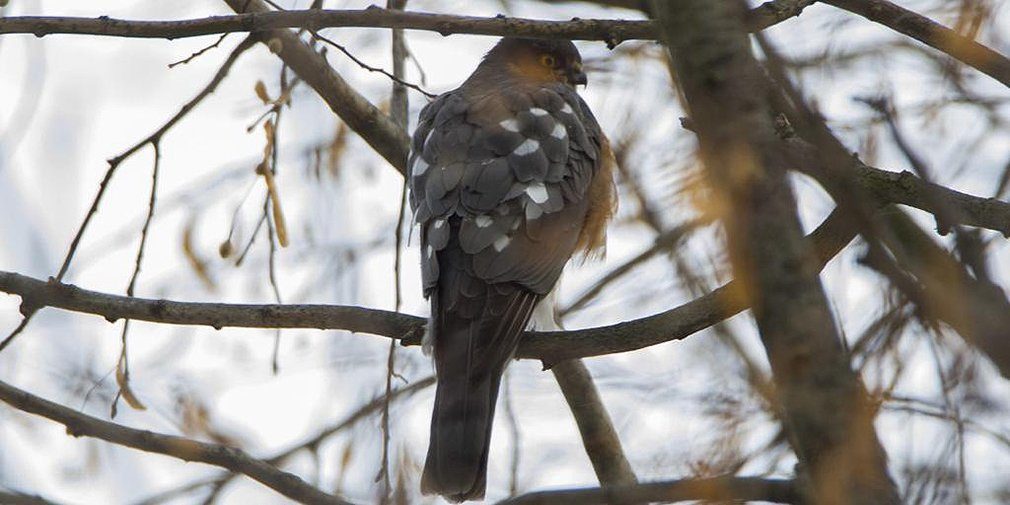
(507, 175)
(500, 186)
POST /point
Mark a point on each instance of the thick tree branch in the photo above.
(826, 411)
(79, 425)
(40, 293)
(931, 33)
(715, 488)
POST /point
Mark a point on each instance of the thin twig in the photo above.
(370, 68)
(272, 197)
(123, 366)
(25, 319)
(312, 443)
(200, 52)
(398, 109)
(154, 137)
(27, 310)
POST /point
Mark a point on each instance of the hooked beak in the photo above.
(577, 77)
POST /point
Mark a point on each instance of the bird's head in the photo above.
(538, 60)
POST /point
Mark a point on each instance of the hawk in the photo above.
(510, 176)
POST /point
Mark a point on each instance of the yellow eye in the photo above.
(547, 60)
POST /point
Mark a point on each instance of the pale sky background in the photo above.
(68, 103)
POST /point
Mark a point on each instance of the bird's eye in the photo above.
(547, 60)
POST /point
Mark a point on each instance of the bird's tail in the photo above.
(470, 357)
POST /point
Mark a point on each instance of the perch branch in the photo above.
(551, 347)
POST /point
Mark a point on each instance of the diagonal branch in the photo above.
(906, 189)
(374, 126)
(313, 442)
(599, 438)
(236, 460)
(931, 33)
(826, 411)
(975, 307)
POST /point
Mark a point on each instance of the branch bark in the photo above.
(827, 413)
(974, 306)
(931, 33)
(236, 460)
(612, 31)
(374, 126)
(599, 438)
(551, 347)
(715, 488)
(256, 20)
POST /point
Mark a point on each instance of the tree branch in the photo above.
(256, 20)
(906, 188)
(974, 306)
(612, 31)
(931, 33)
(599, 438)
(374, 126)
(826, 411)
(715, 488)
(236, 460)
(551, 347)
(313, 442)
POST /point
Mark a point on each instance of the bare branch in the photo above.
(599, 438)
(236, 460)
(216, 315)
(826, 411)
(27, 310)
(716, 488)
(197, 54)
(374, 126)
(612, 31)
(314, 441)
(931, 33)
(906, 189)
(551, 347)
(258, 20)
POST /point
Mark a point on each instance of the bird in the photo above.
(510, 176)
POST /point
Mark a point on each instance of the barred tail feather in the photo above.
(470, 357)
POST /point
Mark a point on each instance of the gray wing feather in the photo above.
(512, 172)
